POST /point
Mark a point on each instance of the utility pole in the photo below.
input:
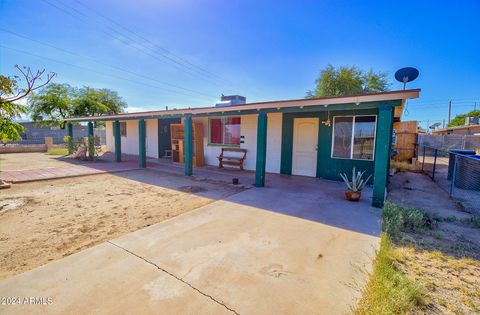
(443, 127)
(449, 111)
(475, 106)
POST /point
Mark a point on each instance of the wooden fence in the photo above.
(405, 142)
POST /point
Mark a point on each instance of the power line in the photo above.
(149, 50)
(142, 48)
(95, 71)
(101, 63)
(148, 40)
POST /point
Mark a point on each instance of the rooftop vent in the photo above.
(229, 100)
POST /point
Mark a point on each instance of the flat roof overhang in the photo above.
(360, 101)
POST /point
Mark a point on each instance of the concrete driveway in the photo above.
(295, 247)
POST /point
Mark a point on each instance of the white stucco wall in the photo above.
(274, 142)
(130, 142)
(152, 137)
(248, 129)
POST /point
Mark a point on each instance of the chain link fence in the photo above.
(457, 171)
(447, 142)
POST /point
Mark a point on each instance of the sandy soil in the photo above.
(28, 161)
(445, 260)
(44, 221)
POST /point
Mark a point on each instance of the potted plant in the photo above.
(355, 186)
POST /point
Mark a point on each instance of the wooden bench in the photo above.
(232, 160)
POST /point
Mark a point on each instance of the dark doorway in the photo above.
(164, 134)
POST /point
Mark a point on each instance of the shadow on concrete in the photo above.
(306, 198)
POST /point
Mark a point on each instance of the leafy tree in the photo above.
(11, 92)
(52, 104)
(459, 120)
(56, 102)
(90, 102)
(348, 81)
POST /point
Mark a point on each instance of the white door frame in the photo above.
(305, 146)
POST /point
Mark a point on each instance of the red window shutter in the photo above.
(216, 131)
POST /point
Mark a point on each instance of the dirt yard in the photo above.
(27, 161)
(47, 220)
(445, 259)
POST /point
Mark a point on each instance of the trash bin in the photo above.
(451, 159)
(468, 172)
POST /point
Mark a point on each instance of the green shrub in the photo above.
(69, 145)
(398, 219)
(91, 147)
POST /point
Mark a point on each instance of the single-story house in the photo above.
(458, 130)
(317, 137)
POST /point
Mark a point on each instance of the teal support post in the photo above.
(70, 135)
(261, 150)
(382, 154)
(90, 140)
(118, 141)
(142, 148)
(188, 145)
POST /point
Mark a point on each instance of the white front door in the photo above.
(305, 141)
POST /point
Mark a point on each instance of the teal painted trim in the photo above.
(90, 128)
(70, 134)
(286, 157)
(142, 152)
(188, 145)
(90, 136)
(118, 141)
(287, 145)
(331, 168)
(382, 155)
(261, 150)
(327, 167)
(315, 108)
(306, 109)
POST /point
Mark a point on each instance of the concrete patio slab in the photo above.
(295, 247)
(107, 280)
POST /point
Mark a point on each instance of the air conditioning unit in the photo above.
(228, 100)
(472, 121)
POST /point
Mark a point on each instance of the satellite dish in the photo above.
(435, 125)
(405, 75)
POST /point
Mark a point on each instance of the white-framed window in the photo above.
(353, 137)
(224, 131)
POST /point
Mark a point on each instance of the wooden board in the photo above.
(407, 133)
(177, 141)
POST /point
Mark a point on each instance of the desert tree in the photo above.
(12, 91)
(343, 80)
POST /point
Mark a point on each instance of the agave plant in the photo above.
(357, 183)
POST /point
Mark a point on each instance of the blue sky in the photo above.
(185, 53)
